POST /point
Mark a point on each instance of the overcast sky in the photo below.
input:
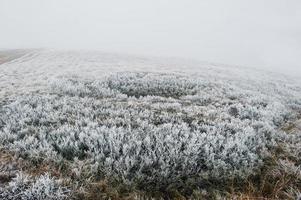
(260, 33)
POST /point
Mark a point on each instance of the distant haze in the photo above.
(260, 33)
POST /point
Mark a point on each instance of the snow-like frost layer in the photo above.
(24, 187)
(149, 126)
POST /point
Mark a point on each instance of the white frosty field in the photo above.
(145, 127)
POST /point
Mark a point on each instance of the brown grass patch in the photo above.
(9, 55)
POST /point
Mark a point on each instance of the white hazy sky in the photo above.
(261, 33)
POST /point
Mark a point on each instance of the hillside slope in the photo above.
(114, 126)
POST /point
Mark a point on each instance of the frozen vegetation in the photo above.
(156, 129)
(26, 188)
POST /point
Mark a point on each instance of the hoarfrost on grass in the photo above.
(149, 127)
(24, 187)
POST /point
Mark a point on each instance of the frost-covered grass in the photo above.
(24, 187)
(150, 131)
(202, 134)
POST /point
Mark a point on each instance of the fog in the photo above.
(260, 33)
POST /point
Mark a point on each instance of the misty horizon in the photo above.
(162, 99)
(260, 34)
